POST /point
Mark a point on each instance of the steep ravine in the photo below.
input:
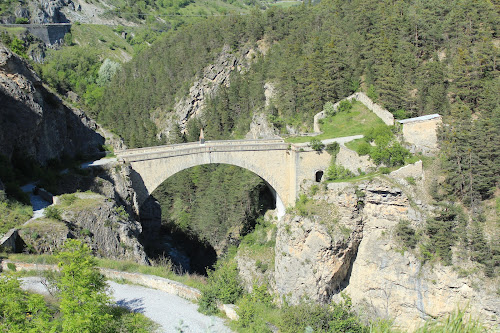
(347, 243)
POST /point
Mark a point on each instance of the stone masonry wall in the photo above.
(150, 281)
(351, 160)
(422, 135)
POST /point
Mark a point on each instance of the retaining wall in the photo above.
(349, 159)
(150, 281)
(49, 34)
(421, 133)
(11, 242)
(382, 113)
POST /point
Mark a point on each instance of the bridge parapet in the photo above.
(196, 147)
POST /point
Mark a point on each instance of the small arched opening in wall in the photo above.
(200, 215)
(318, 176)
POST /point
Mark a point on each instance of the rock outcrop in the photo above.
(356, 251)
(214, 76)
(260, 128)
(108, 229)
(35, 123)
(314, 253)
(112, 232)
(205, 87)
(49, 11)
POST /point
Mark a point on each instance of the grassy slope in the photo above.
(13, 214)
(108, 43)
(355, 122)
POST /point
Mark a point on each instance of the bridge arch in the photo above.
(281, 165)
(269, 181)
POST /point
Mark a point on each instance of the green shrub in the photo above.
(13, 214)
(328, 109)
(336, 172)
(411, 180)
(457, 321)
(68, 199)
(406, 234)
(400, 114)
(252, 307)
(316, 144)
(223, 285)
(385, 170)
(379, 134)
(22, 311)
(120, 210)
(344, 106)
(336, 317)
(333, 149)
(301, 205)
(314, 189)
(261, 266)
(364, 148)
(11, 266)
(21, 20)
(52, 212)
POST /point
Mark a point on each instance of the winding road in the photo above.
(172, 313)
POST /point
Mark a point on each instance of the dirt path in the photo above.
(174, 314)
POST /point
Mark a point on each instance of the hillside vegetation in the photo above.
(413, 58)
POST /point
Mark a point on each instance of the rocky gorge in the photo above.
(339, 238)
(348, 244)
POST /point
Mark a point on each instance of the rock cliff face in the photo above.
(112, 232)
(34, 122)
(105, 218)
(206, 86)
(355, 251)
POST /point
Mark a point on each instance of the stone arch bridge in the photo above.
(281, 165)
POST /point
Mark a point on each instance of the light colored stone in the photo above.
(421, 133)
(382, 281)
(414, 170)
(351, 160)
(230, 311)
(260, 128)
(283, 166)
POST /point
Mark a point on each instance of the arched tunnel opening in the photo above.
(197, 214)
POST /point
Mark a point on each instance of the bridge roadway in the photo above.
(137, 154)
(281, 165)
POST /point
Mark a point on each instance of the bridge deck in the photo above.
(197, 147)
